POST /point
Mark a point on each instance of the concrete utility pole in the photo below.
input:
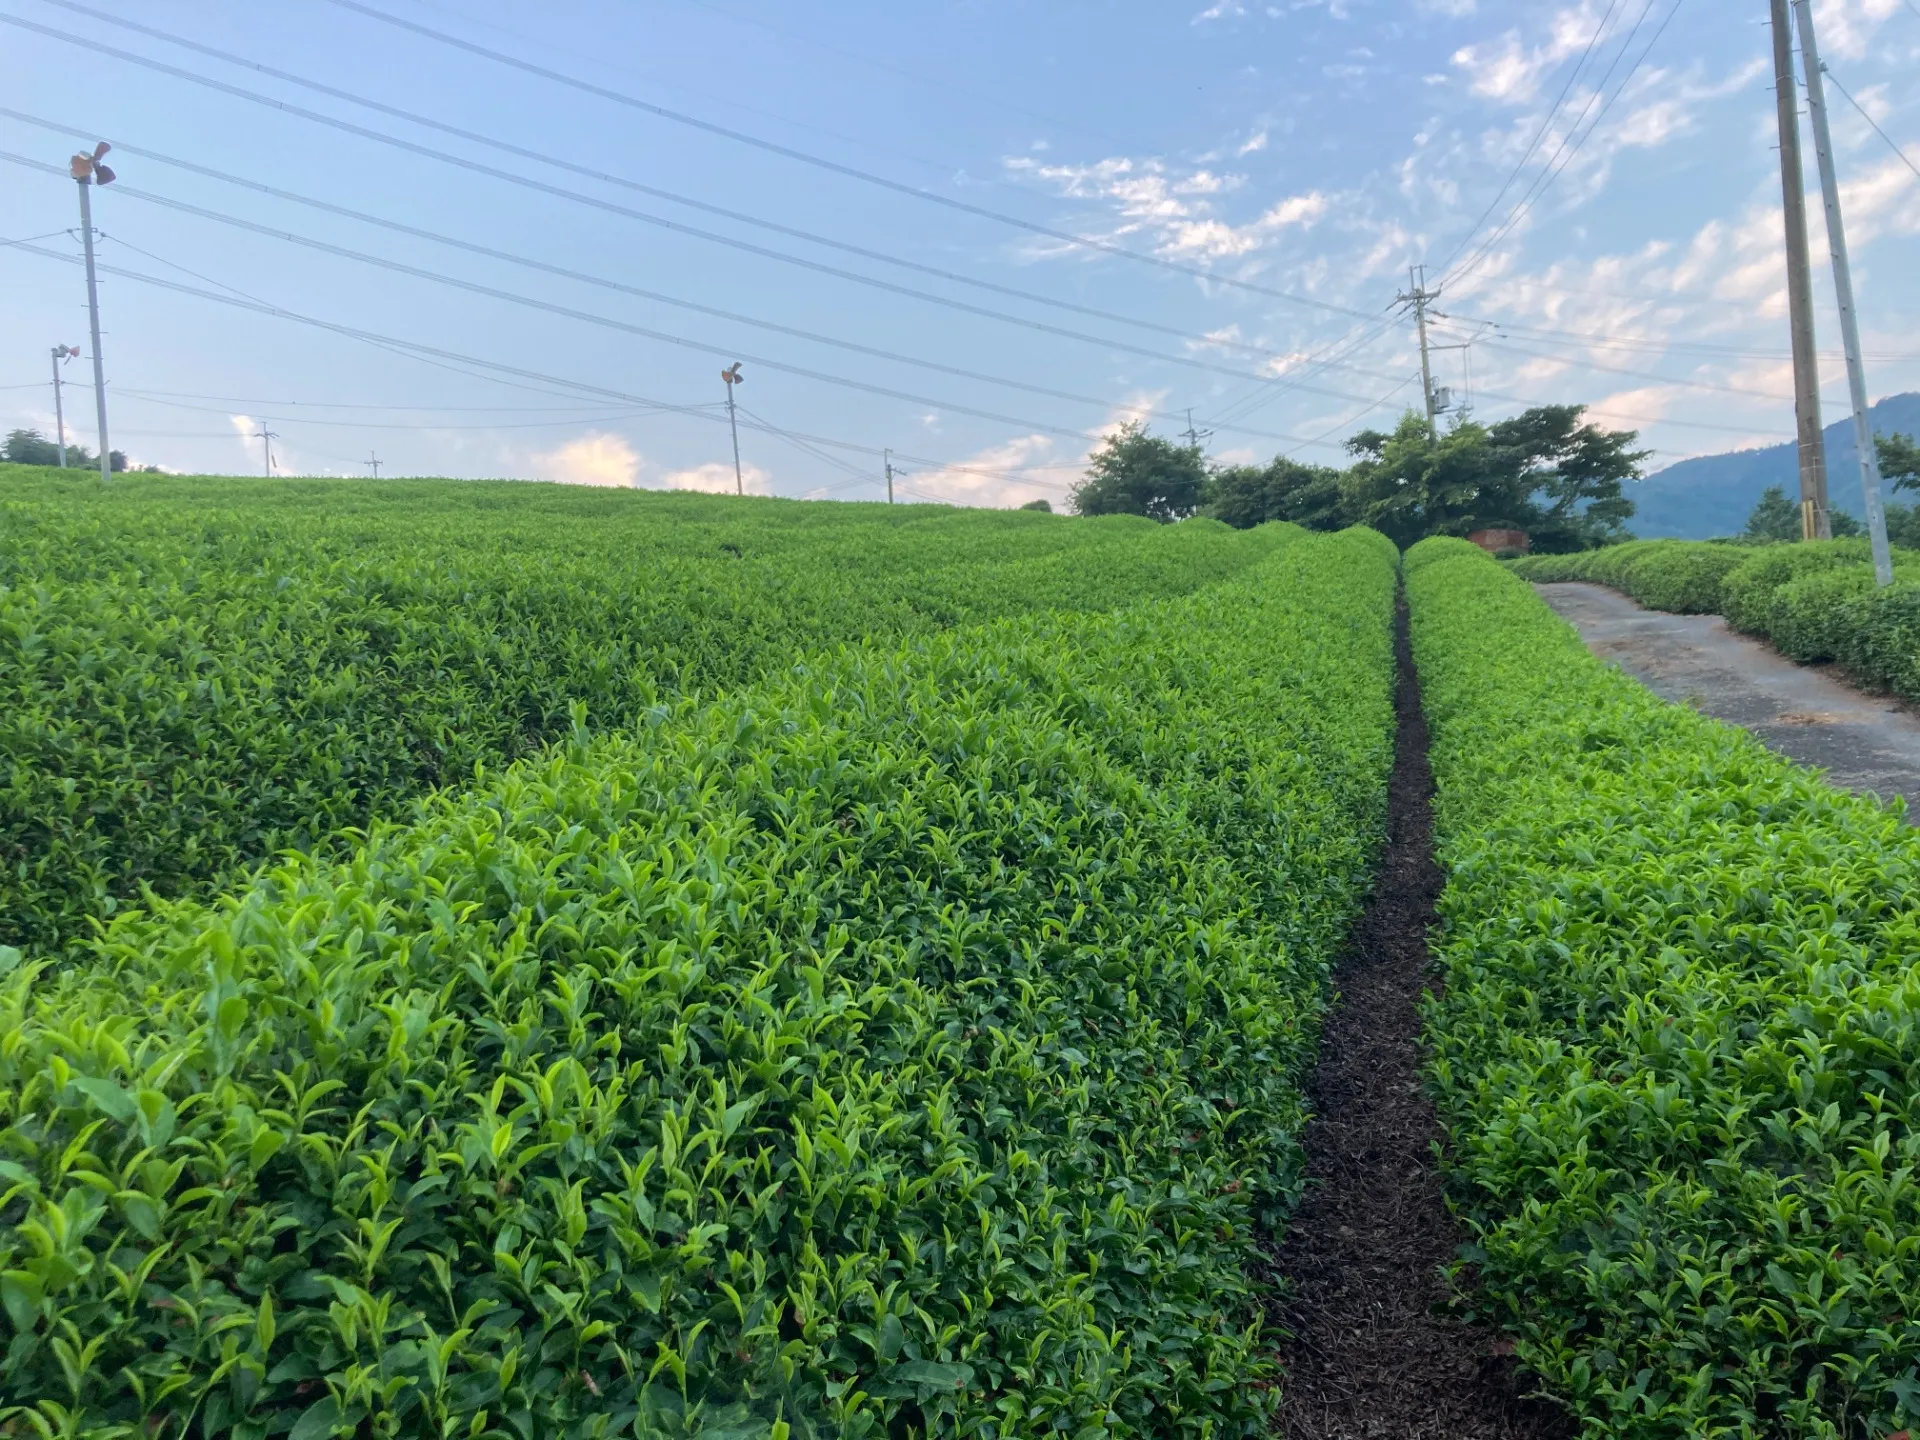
(269, 436)
(1419, 297)
(61, 354)
(1843, 289)
(889, 463)
(733, 377)
(88, 172)
(1814, 524)
(1194, 437)
(373, 462)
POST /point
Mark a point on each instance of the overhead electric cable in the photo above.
(1904, 159)
(363, 217)
(1546, 124)
(609, 322)
(1574, 140)
(660, 221)
(788, 152)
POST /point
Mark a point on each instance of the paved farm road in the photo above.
(1864, 742)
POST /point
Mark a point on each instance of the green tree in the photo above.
(1542, 471)
(1899, 460)
(1774, 519)
(1040, 504)
(30, 447)
(1567, 490)
(1134, 473)
(1249, 495)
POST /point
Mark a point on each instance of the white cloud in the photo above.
(1254, 144)
(596, 458)
(1177, 211)
(1509, 70)
(998, 476)
(716, 478)
(1845, 28)
(1453, 9)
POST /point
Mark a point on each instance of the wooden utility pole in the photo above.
(1814, 524)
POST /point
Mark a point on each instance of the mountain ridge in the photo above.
(1713, 494)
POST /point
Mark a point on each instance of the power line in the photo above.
(1575, 138)
(1546, 124)
(820, 162)
(415, 348)
(365, 218)
(628, 212)
(1870, 120)
(608, 322)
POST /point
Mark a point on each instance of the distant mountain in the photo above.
(1712, 494)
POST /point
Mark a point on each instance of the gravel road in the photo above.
(1864, 742)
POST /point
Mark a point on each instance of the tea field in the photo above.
(196, 675)
(906, 1040)
(510, 962)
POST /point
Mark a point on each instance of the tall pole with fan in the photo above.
(733, 377)
(61, 354)
(88, 172)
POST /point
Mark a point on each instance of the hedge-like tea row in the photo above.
(1684, 576)
(1678, 1051)
(909, 1045)
(1813, 602)
(197, 674)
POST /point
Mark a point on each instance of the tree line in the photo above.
(1547, 472)
(30, 447)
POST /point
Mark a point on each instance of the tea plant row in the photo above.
(908, 1043)
(198, 674)
(1678, 1050)
(1813, 602)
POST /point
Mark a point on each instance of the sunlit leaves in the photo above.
(1679, 1047)
(910, 1044)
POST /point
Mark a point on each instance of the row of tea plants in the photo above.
(1678, 1049)
(196, 674)
(909, 1043)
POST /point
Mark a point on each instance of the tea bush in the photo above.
(198, 674)
(907, 1044)
(1682, 576)
(1748, 592)
(1678, 1050)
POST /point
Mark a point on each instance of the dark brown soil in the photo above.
(1376, 1347)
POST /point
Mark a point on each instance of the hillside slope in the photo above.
(1712, 494)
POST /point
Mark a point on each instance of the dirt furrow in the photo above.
(1376, 1347)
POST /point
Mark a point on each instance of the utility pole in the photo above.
(733, 377)
(1194, 437)
(1814, 524)
(1420, 297)
(889, 463)
(269, 436)
(373, 460)
(88, 172)
(1843, 289)
(61, 354)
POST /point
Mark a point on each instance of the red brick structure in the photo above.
(1496, 542)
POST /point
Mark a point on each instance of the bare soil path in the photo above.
(1375, 1348)
(1806, 713)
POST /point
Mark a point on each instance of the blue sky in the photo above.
(1279, 165)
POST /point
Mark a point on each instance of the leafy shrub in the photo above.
(909, 1044)
(1808, 619)
(1881, 640)
(1678, 1049)
(1678, 575)
(1748, 591)
(198, 674)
